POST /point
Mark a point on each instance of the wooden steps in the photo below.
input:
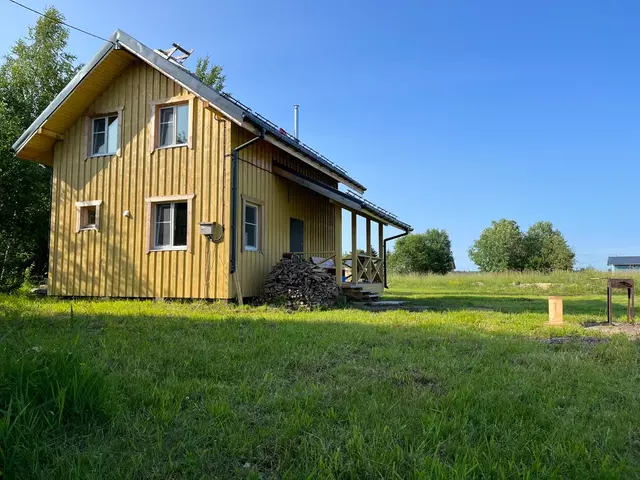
(359, 294)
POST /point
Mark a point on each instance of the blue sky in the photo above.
(452, 113)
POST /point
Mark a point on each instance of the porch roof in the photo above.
(348, 200)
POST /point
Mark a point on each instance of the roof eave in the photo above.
(229, 107)
(278, 139)
(62, 96)
(226, 105)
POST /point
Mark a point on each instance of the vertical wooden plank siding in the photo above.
(113, 261)
(281, 200)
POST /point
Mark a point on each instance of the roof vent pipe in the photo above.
(296, 125)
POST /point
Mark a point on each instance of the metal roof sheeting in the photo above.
(623, 261)
(228, 105)
(349, 200)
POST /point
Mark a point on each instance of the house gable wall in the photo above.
(113, 261)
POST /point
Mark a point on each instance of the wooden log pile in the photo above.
(297, 283)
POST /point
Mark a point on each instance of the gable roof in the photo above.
(623, 261)
(39, 138)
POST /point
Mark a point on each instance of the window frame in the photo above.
(174, 107)
(154, 121)
(80, 209)
(89, 132)
(151, 203)
(172, 221)
(106, 135)
(260, 225)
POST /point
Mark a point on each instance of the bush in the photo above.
(428, 252)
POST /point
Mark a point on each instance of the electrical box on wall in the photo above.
(206, 228)
(212, 230)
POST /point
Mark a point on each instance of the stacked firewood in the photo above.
(297, 283)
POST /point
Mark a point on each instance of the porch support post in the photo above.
(380, 239)
(369, 269)
(338, 244)
(354, 248)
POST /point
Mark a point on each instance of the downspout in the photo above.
(384, 248)
(234, 197)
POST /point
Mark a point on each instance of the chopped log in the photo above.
(297, 283)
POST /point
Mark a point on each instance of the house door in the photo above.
(296, 235)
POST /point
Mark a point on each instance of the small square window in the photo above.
(104, 135)
(173, 125)
(88, 215)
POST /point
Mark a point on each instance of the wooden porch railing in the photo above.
(369, 267)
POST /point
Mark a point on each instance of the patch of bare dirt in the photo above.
(563, 340)
(540, 285)
(628, 329)
(386, 306)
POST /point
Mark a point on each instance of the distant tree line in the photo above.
(503, 246)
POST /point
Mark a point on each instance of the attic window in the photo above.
(174, 126)
(104, 135)
(171, 122)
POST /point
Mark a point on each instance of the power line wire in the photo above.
(60, 21)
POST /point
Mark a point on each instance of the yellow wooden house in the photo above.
(165, 188)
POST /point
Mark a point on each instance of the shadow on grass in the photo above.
(573, 305)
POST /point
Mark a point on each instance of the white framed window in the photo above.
(170, 226)
(169, 223)
(173, 125)
(104, 135)
(88, 215)
(252, 224)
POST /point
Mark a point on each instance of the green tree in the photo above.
(360, 251)
(32, 74)
(210, 74)
(546, 249)
(428, 252)
(499, 248)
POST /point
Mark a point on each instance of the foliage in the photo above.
(428, 252)
(503, 246)
(546, 249)
(360, 251)
(499, 247)
(210, 74)
(32, 74)
(469, 388)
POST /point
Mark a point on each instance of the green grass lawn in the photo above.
(470, 388)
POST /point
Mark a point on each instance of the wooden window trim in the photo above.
(89, 203)
(261, 223)
(149, 222)
(154, 126)
(88, 131)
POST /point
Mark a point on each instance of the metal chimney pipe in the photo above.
(296, 125)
